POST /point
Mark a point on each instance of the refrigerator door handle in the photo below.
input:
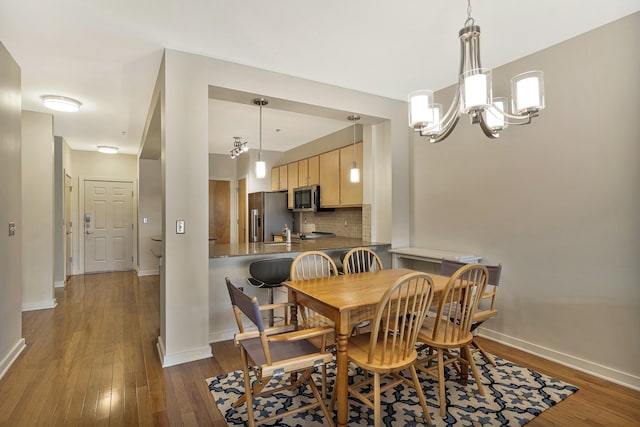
(254, 225)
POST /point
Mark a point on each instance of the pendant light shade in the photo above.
(354, 174)
(261, 167)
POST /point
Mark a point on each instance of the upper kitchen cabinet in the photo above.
(350, 192)
(292, 178)
(309, 171)
(275, 179)
(330, 179)
(283, 178)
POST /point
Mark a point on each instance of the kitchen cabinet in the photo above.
(292, 178)
(283, 178)
(275, 179)
(350, 192)
(329, 175)
(303, 172)
(309, 171)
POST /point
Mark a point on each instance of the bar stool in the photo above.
(269, 274)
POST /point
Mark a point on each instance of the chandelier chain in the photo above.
(470, 21)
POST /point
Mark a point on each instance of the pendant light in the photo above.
(354, 175)
(261, 167)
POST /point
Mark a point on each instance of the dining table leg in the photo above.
(342, 374)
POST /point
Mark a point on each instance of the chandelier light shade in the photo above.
(354, 173)
(474, 96)
(61, 103)
(239, 147)
(261, 167)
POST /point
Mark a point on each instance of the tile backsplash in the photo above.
(347, 222)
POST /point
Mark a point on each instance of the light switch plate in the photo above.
(12, 229)
(180, 226)
(145, 220)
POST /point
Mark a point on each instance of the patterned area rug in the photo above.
(514, 395)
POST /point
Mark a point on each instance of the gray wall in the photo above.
(92, 164)
(59, 222)
(37, 211)
(150, 207)
(11, 341)
(556, 203)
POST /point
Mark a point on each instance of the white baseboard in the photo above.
(148, 272)
(183, 356)
(8, 360)
(39, 305)
(222, 335)
(592, 368)
(58, 284)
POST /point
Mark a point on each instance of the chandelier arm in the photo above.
(486, 130)
(449, 121)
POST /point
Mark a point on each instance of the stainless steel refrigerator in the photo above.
(268, 215)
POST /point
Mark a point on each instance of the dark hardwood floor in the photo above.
(92, 361)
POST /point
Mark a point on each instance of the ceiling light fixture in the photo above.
(239, 147)
(474, 96)
(261, 167)
(354, 175)
(107, 149)
(61, 103)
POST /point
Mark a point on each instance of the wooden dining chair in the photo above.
(487, 306)
(361, 260)
(312, 265)
(451, 328)
(390, 346)
(271, 353)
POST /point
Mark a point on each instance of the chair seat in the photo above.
(359, 353)
(425, 335)
(279, 350)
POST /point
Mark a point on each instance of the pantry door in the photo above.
(108, 226)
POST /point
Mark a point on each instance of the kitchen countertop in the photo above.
(332, 243)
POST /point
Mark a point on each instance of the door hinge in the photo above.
(131, 259)
(70, 260)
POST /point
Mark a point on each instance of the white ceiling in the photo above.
(106, 53)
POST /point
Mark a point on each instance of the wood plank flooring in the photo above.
(93, 361)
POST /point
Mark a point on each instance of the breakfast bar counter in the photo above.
(297, 246)
(233, 261)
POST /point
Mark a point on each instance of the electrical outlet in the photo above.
(12, 229)
(180, 226)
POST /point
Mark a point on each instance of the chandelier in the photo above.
(474, 96)
(239, 147)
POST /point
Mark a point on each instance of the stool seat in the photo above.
(260, 284)
(269, 274)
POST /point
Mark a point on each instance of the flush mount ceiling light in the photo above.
(61, 103)
(474, 96)
(107, 149)
(354, 175)
(239, 147)
(261, 167)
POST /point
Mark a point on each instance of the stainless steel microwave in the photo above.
(306, 199)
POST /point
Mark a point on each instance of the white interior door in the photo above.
(108, 226)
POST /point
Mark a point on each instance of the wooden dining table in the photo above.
(348, 300)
